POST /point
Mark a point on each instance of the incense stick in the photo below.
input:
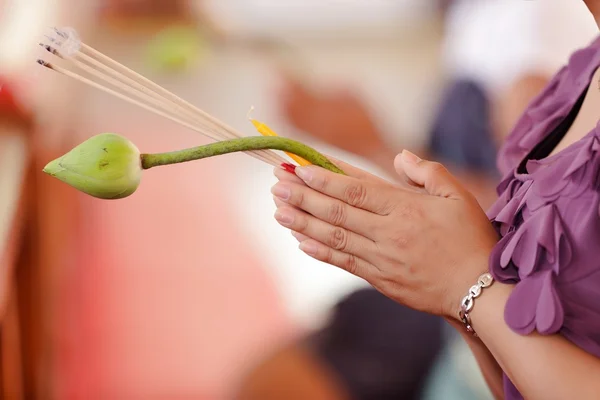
(137, 89)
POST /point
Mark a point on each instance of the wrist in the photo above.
(477, 267)
(467, 303)
(472, 268)
(489, 309)
(460, 328)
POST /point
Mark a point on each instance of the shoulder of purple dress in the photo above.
(550, 105)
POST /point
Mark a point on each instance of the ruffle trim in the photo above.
(535, 304)
(532, 256)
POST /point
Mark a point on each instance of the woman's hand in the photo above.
(423, 244)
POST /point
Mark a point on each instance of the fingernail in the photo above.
(410, 157)
(289, 167)
(283, 192)
(304, 173)
(309, 248)
(284, 217)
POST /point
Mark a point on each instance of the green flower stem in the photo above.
(241, 144)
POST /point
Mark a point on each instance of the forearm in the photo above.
(490, 369)
(541, 367)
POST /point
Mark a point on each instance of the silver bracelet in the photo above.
(466, 305)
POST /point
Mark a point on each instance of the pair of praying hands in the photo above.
(422, 243)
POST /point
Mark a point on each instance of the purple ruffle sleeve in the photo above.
(548, 219)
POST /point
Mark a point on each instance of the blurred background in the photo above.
(189, 289)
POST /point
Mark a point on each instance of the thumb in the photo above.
(404, 179)
(433, 176)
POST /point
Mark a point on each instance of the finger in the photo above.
(348, 169)
(283, 175)
(281, 203)
(433, 176)
(369, 196)
(406, 182)
(300, 237)
(349, 262)
(335, 237)
(355, 172)
(327, 209)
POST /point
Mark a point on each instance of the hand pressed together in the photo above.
(423, 243)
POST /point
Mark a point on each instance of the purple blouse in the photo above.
(548, 218)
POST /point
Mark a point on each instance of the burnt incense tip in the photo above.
(44, 63)
(49, 48)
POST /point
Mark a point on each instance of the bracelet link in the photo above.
(475, 291)
(466, 304)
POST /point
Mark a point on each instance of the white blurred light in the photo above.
(496, 41)
(22, 23)
(317, 16)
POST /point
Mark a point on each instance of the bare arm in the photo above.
(490, 369)
(541, 367)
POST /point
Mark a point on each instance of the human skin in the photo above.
(396, 239)
(399, 238)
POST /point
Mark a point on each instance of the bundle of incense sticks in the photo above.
(87, 65)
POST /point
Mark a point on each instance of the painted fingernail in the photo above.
(283, 192)
(410, 157)
(284, 217)
(304, 173)
(289, 167)
(309, 248)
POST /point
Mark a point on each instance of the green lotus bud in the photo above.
(107, 166)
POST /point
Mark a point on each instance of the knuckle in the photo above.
(386, 207)
(435, 167)
(338, 239)
(387, 286)
(300, 196)
(401, 241)
(300, 224)
(328, 256)
(336, 214)
(355, 195)
(350, 264)
(320, 182)
(407, 211)
(404, 210)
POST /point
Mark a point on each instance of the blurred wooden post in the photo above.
(14, 166)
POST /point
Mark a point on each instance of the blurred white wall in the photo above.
(22, 23)
(495, 41)
(316, 18)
